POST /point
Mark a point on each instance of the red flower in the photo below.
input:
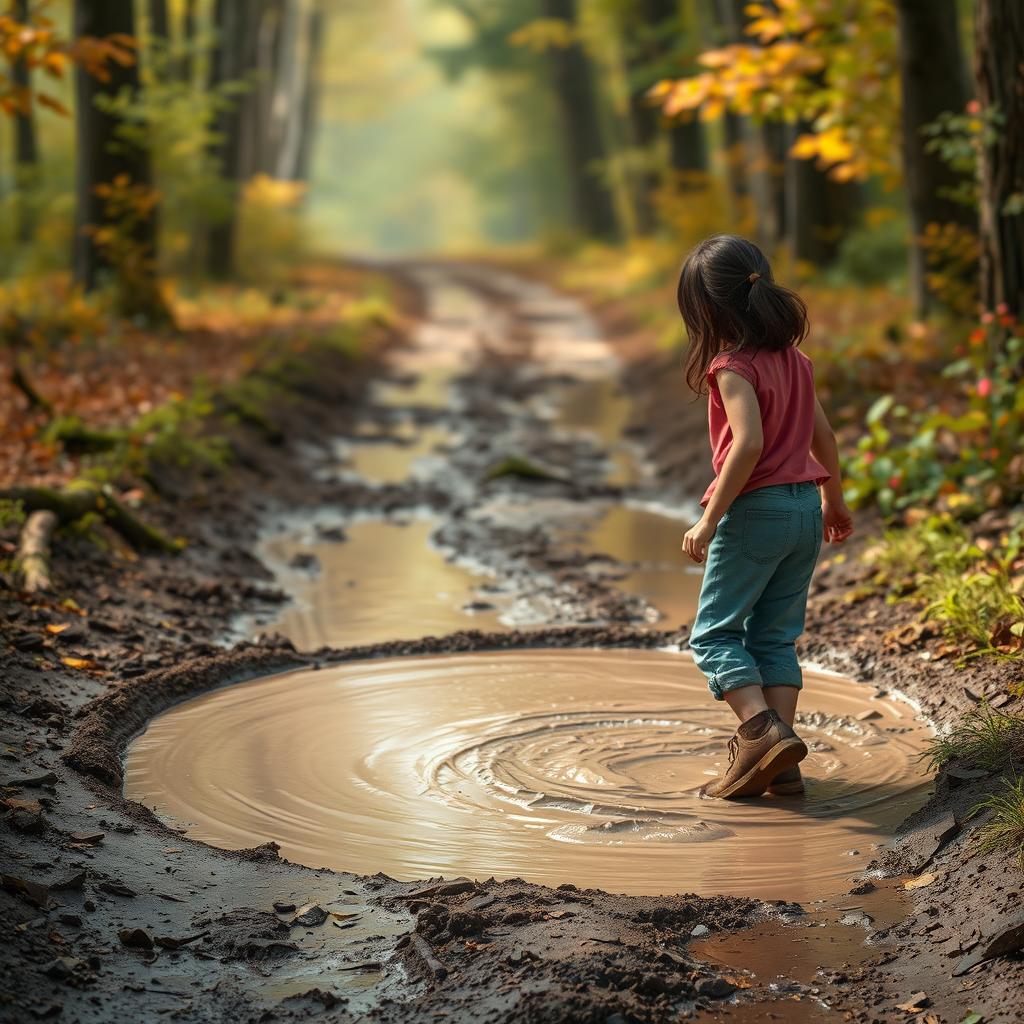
(1002, 309)
(869, 457)
(987, 317)
(973, 108)
(895, 480)
(977, 336)
(984, 387)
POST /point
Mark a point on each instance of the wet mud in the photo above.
(545, 765)
(500, 461)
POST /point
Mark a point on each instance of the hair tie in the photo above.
(755, 276)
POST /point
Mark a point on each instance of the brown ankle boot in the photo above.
(762, 748)
(787, 783)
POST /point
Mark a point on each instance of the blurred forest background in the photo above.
(179, 177)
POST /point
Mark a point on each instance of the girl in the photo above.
(777, 493)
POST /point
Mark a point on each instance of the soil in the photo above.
(109, 913)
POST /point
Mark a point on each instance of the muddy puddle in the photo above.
(550, 765)
(369, 581)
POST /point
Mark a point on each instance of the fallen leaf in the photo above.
(57, 627)
(83, 663)
(920, 882)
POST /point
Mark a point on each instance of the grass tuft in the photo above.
(1005, 829)
(983, 738)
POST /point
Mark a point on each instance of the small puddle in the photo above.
(549, 765)
(380, 580)
(649, 546)
(402, 452)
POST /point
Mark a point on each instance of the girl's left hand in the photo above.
(697, 539)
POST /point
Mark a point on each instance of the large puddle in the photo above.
(550, 765)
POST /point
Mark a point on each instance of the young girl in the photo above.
(777, 493)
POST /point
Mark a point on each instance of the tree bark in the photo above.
(103, 154)
(933, 80)
(818, 210)
(232, 61)
(186, 63)
(310, 108)
(593, 206)
(26, 146)
(159, 24)
(999, 72)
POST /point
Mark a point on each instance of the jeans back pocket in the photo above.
(766, 533)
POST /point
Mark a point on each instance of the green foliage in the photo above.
(12, 514)
(972, 591)
(1005, 829)
(983, 738)
(965, 456)
(873, 253)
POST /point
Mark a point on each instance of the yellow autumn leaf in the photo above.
(73, 662)
(57, 627)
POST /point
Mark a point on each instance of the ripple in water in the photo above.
(550, 765)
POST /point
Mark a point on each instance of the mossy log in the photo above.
(78, 438)
(82, 497)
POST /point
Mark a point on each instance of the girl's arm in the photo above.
(836, 519)
(744, 415)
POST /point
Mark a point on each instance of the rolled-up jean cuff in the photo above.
(782, 675)
(732, 679)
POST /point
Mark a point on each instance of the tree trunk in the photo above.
(933, 81)
(999, 70)
(103, 155)
(232, 61)
(593, 206)
(159, 25)
(310, 108)
(818, 210)
(186, 63)
(26, 146)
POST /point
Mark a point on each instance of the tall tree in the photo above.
(26, 146)
(572, 74)
(999, 71)
(933, 80)
(236, 25)
(115, 213)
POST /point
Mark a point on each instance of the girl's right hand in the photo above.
(837, 522)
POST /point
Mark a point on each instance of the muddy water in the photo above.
(384, 581)
(548, 765)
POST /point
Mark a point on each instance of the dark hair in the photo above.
(727, 296)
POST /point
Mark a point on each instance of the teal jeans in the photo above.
(754, 595)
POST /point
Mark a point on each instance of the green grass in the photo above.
(983, 738)
(967, 590)
(1005, 829)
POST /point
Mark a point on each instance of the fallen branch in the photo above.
(33, 556)
(80, 498)
(19, 379)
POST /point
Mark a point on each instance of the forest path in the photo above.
(552, 766)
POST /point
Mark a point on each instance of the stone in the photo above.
(715, 988)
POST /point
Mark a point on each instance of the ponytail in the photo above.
(727, 296)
